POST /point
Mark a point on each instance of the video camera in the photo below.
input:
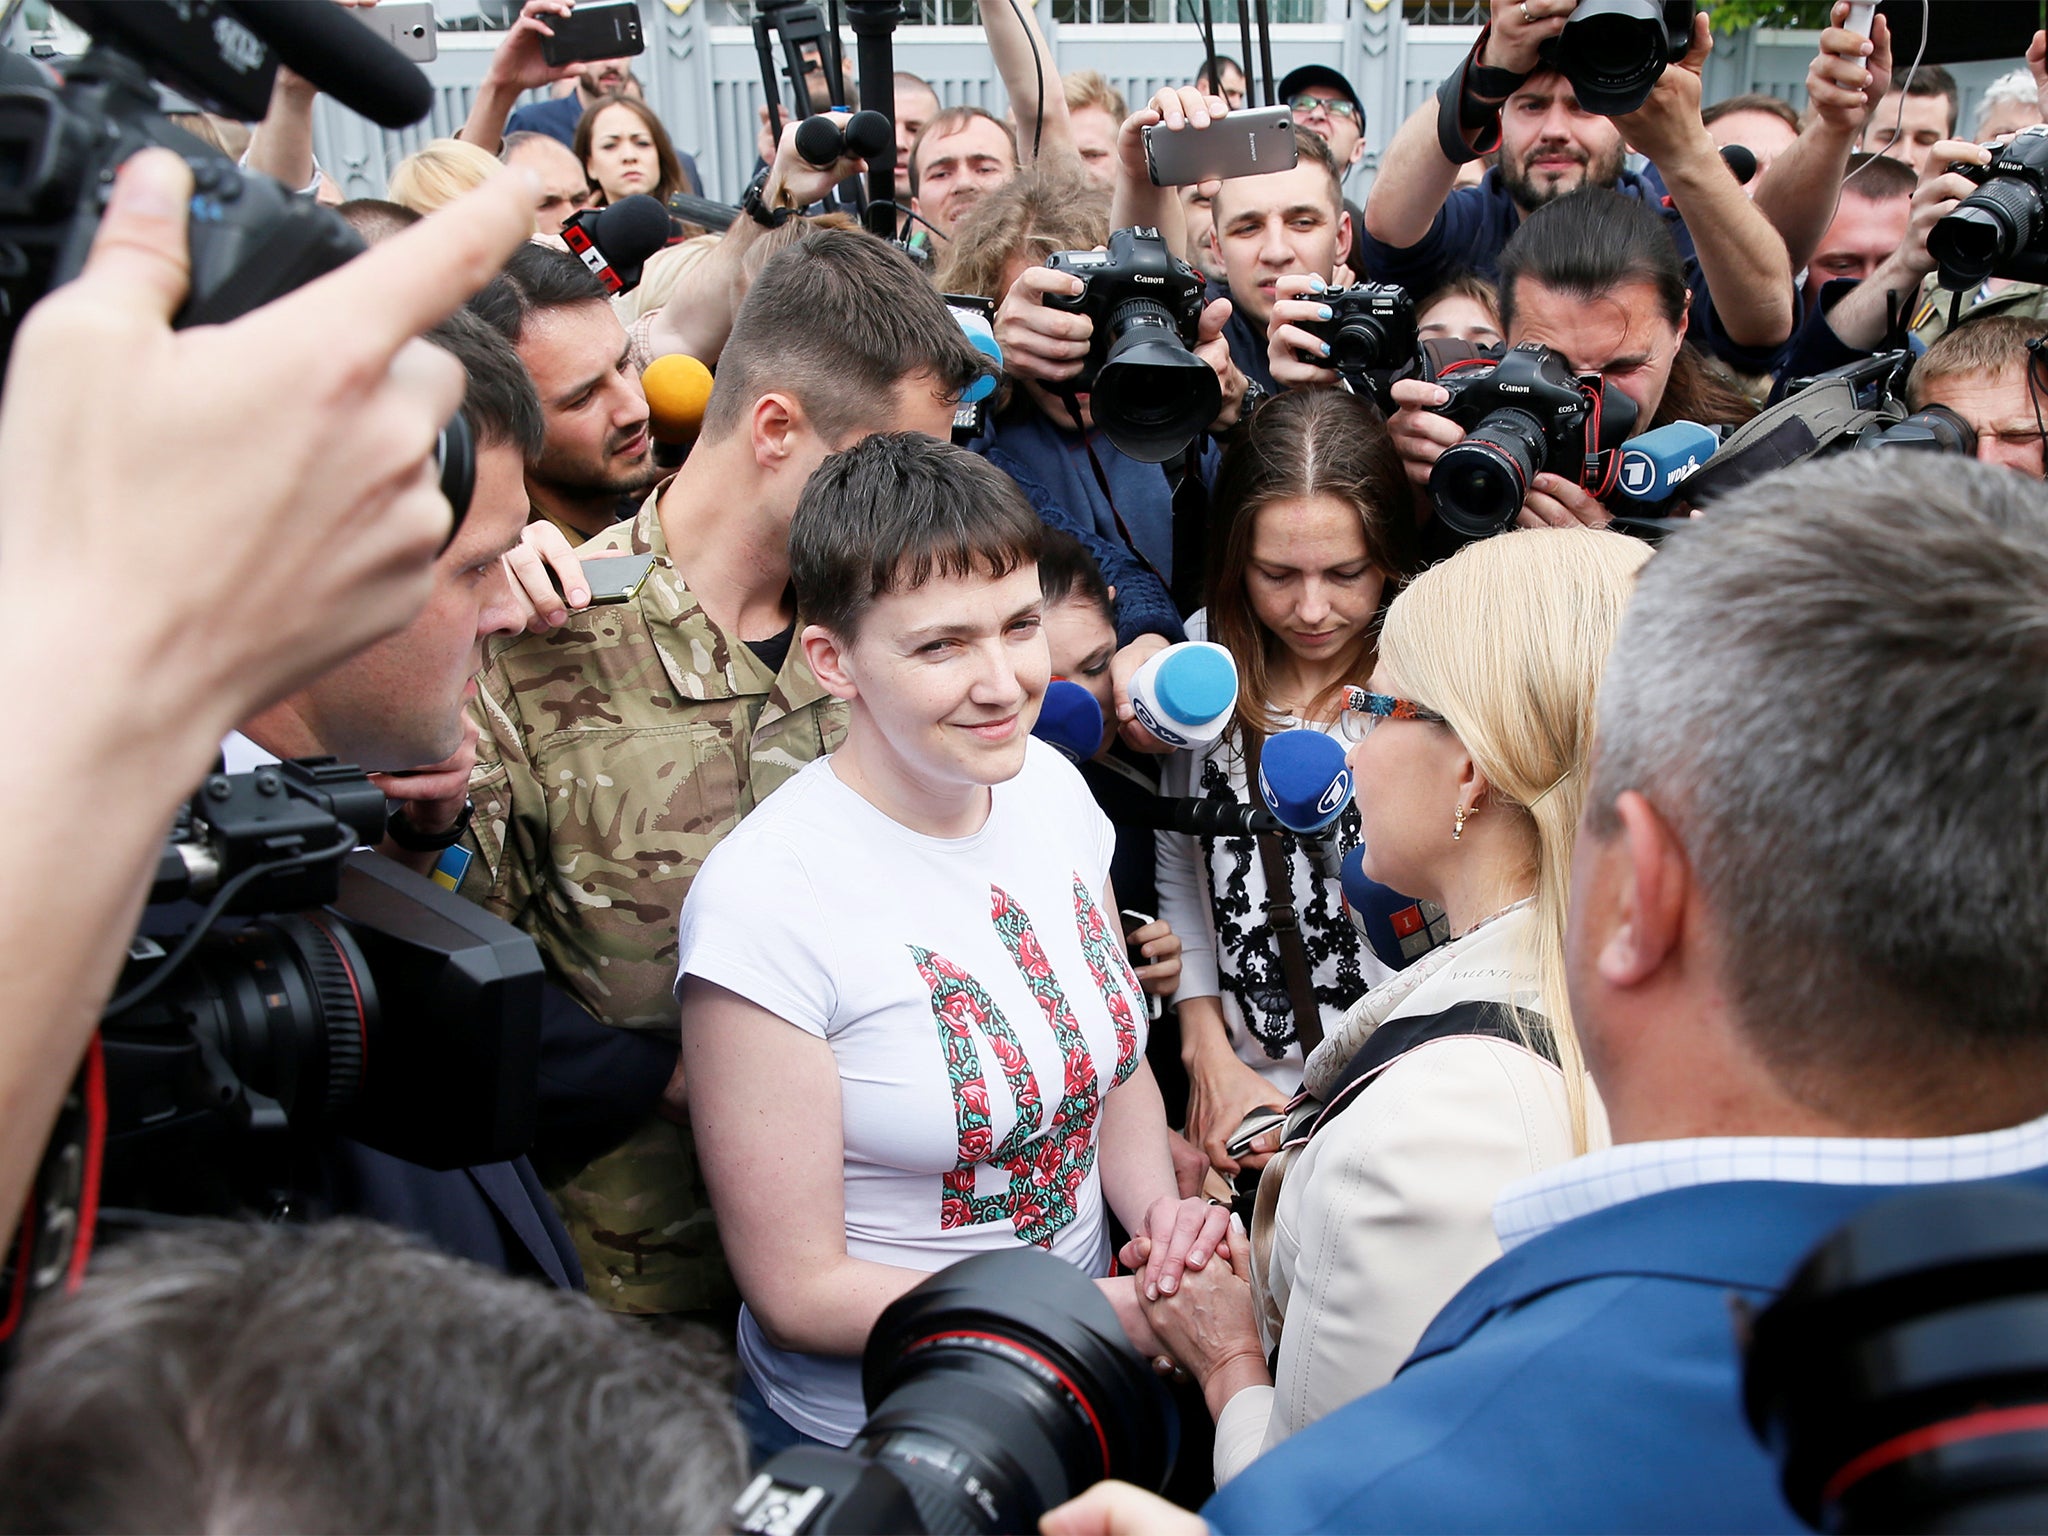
(251, 239)
(320, 992)
(997, 1389)
(1147, 390)
(2001, 229)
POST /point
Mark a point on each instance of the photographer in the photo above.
(879, 1148)
(618, 751)
(1595, 278)
(234, 590)
(1419, 231)
(1988, 373)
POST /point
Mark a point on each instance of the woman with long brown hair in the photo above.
(625, 150)
(1312, 533)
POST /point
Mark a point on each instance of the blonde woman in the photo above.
(439, 173)
(1462, 1074)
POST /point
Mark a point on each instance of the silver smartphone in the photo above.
(1254, 143)
(408, 28)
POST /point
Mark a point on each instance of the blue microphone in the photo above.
(1399, 929)
(1069, 721)
(1657, 463)
(1306, 784)
(982, 336)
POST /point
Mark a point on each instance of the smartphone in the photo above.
(599, 29)
(408, 28)
(1253, 143)
(1253, 1126)
(616, 578)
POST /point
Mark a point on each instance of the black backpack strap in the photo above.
(1397, 1037)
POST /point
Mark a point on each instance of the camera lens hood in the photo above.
(1152, 395)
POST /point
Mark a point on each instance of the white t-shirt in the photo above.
(977, 1000)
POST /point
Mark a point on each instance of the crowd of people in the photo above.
(1721, 855)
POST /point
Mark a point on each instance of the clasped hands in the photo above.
(1198, 1316)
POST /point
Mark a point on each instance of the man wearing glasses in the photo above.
(1324, 103)
(1992, 373)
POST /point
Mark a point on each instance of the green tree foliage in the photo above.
(1740, 15)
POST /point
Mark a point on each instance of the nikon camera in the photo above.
(2001, 229)
(1147, 390)
(1524, 413)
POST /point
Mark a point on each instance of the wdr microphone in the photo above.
(1399, 929)
(974, 325)
(1306, 784)
(615, 242)
(1185, 693)
(1069, 721)
(1657, 463)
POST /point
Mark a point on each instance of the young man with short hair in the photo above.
(1288, 223)
(961, 153)
(619, 749)
(1912, 118)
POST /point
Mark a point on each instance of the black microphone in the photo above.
(342, 56)
(713, 215)
(1741, 161)
(1198, 817)
(821, 141)
(615, 241)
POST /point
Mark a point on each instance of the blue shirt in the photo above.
(1475, 222)
(1051, 467)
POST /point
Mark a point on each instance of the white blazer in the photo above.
(1388, 1210)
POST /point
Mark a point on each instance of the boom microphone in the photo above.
(345, 59)
(614, 242)
(1069, 721)
(822, 141)
(1306, 784)
(1657, 463)
(1399, 929)
(1199, 817)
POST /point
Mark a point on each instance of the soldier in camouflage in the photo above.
(619, 749)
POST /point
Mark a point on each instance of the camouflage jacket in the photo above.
(614, 754)
(1930, 321)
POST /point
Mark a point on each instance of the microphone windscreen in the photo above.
(819, 141)
(1069, 721)
(1196, 682)
(869, 134)
(343, 57)
(1657, 463)
(629, 231)
(678, 387)
(1741, 160)
(1400, 929)
(1304, 780)
(978, 331)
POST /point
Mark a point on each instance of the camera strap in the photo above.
(54, 1235)
(1285, 920)
(1069, 398)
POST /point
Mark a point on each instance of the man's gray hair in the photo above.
(1834, 687)
(234, 1377)
(2015, 87)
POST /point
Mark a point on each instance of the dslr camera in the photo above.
(1147, 390)
(1524, 413)
(1371, 335)
(1998, 230)
(1613, 51)
(997, 1389)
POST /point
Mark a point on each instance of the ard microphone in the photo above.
(822, 141)
(615, 242)
(1069, 721)
(1306, 784)
(678, 387)
(1185, 693)
(1657, 463)
(1742, 161)
(1399, 929)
